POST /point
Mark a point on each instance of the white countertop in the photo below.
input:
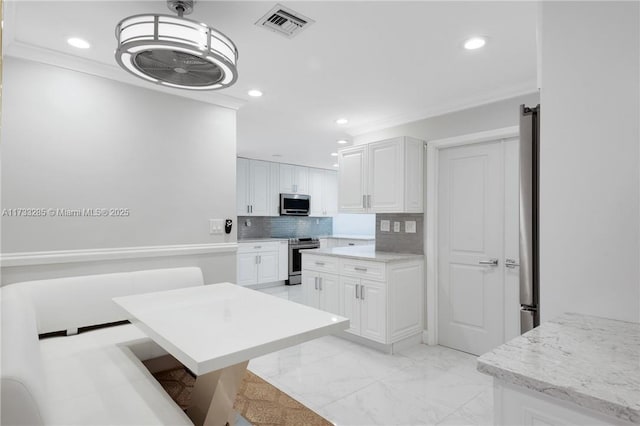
(215, 326)
(262, 240)
(363, 253)
(590, 361)
(352, 237)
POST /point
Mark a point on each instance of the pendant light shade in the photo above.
(176, 52)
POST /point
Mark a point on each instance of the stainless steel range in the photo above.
(296, 246)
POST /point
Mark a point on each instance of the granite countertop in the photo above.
(262, 240)
(364, 253)
(352, 237)
(590, 361)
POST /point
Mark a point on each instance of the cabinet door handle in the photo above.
(251, 208)
(257, 247)
(357, 291)
(369, 200)
(315, 279)
(364, 201)
(361, 292)
(248, 209)
(260, 259)
(320, 283)
(256, 259)
(320, 263)
(360, 269)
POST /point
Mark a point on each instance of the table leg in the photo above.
(214, 394)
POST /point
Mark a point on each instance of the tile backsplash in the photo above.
(400, 242)
(283, 227)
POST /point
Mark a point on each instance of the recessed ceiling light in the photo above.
(78, 42)
(254, 93)
(335, 165)
(342, 141)
(342, 121)
(334, 154)
(475, 43)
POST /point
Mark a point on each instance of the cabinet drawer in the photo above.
(364, 269)
(320, 263)
(258, 247)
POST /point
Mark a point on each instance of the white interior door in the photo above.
(511, 238)
(471, 237)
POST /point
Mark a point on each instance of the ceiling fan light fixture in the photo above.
(176, 52)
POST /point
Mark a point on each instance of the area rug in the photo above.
(258, 401)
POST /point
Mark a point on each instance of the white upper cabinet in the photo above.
(323, 189)
(243, 205)
(316, 176)
(274, 207)
(385, 176)
(260, 188)
(352, 179)
(330, 193)
(382, 177)
(260, 183)
(256, 188)
(294, 179)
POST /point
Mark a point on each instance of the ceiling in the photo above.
(376, 63)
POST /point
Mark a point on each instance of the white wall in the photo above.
(71, 140)
(589, 217)
(491, 116)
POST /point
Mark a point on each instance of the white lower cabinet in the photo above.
(260, 263)
(322, 291)
(364, 303)
(383, 301)
(515, 405)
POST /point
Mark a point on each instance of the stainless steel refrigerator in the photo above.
(529, 198)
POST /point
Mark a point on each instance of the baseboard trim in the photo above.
(92, 255)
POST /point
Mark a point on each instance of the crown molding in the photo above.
(13, 47)
(471, 102)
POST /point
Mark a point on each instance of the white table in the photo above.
(214, 330)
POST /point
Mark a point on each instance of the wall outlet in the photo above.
(410, 226)
(385, 225)
(216, 226)
(396, 226)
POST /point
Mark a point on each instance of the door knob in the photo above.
(510, 263)
(490, 262)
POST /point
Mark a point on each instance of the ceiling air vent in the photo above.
(285, 21)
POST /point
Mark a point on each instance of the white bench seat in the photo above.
(92, 378)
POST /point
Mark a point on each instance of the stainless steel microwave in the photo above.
(294, 205)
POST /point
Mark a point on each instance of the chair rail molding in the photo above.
(92, 255)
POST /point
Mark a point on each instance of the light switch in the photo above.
(410, 226)
(216, 226)
(385, 225)
(396, 226)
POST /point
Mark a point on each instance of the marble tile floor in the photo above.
(350, 384)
